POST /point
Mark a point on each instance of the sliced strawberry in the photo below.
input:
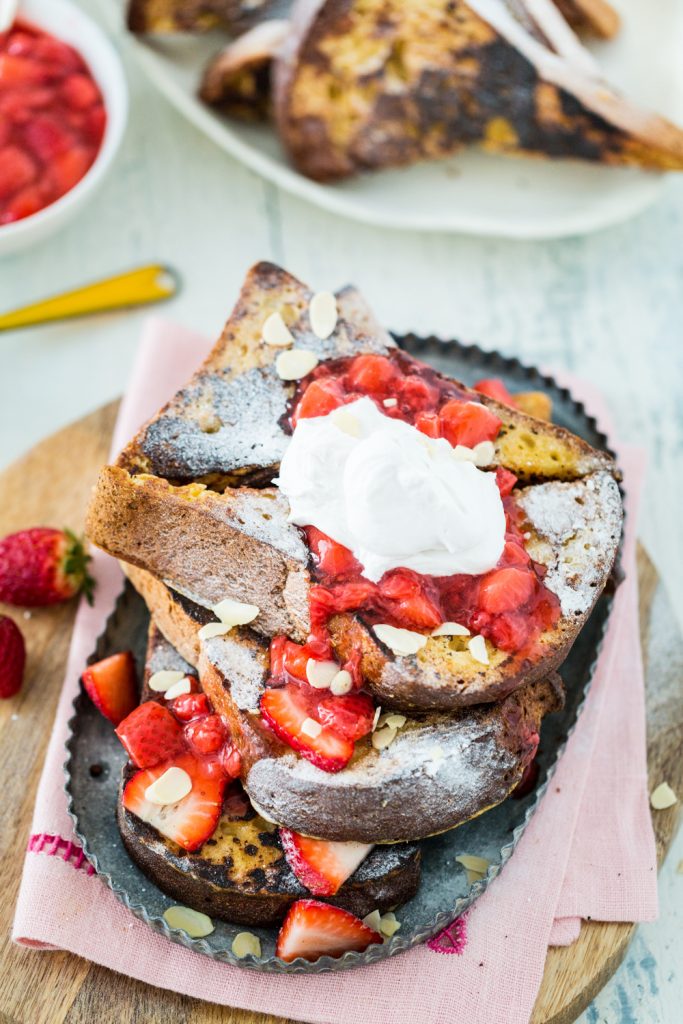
(468, 423)
(285, 710)
(506, 590)
(321, 866)
(205, 735)
(505, 481)
(12, 657)
(151, 735)
(372, 374)
(17, 170)
(111, 686)
(332, 559)
(410, 602)
(351, 716)
(493, 387)
(313, 929)
(189, 706)
(192, 820)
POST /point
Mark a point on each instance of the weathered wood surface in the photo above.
(50, 485)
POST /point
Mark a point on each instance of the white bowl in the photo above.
(63, 19)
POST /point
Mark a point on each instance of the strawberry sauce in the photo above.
(52, 120)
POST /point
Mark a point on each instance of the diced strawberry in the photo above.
(416, 394)
(285, 710)
(320, 865)
(111, 686)
(47, 138)
(468, 423)
(20, 71)
(53, 52)
(231, 761)
(206, 735)
(189, 706)
(24, 203)
(514, 554)
(67, 169)
(150, 735)
(313, 929)
(320, 398)
(21, 44)
(332, 559)
(493, 387)
(17, 170)
(505, 481)
(288, 659)
(351, 715)
(410, 602)
(506, 590)
(372, 374)
(94, 123)
(80, 91)
(510, 631)
(192, 820)
(429, 423)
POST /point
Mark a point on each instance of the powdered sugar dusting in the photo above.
(263, 515)
(243, 667)
(577, 527)
(163, 657)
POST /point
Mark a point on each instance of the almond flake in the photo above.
(373, 920)
(390, 403)
(378, 714)
(342, 683)
(477, 646)
(179, 689)
(484, 453)
(276, 332)
(309, 727)
(662, 797)
(161, 681)
(322, 312)
(170, 787)
(235, 613)
(196, 924)
(321, 673)
(246, 944)
(295, 363)
(463, 454)
(393, 721)
(212, 629)
(400, 641)
(388, 925)
(476, 864)
(382, 738)
(451, 629)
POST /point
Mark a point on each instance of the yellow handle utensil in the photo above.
(153, 283)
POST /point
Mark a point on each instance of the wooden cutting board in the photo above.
(50, 486)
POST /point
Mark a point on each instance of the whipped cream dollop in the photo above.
(394, 496)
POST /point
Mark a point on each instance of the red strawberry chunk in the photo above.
(350, 715)
(320, 398)
(313, 929)
(416, 395)
(192, 820)
(150, 735)
(231, 761)
(410, 603)
(332, 559)
(111, 686)
(372, 374)
(429, 423)
(12, 657)
(506, 590)
(505, 481)
(493, 387)
(80, 91)
(17, 170)
(47, 138)
(285, 710)
(205, 735)
(24, 203)
(67, 169)
(189, 706)
(322, 866)
(20, 71)
(468, 423)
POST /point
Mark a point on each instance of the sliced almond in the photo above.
(196, 924)
(276, 332)
(378, 715)
(322, 313)
(295, 363)
(179, 689)
(246, 944)
(342, 683)
(235, 613)
(309, 727)
(373, 920)
(161, 681)
(463, 454)
(394, 721)
(212, 629)
(170, 787)
(451, 629)
(382, 738)
(484, 453)
(321, 673)
(477, 648)
(347, 422)
(400, 641)
(389, 403)
(388, 925)
(478, 864)
(662, 797)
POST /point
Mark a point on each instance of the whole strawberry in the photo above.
(12, 657)
(43, 566)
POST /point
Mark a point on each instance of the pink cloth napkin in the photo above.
(588, 853)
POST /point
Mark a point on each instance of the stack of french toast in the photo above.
(362, 577)
(360, 85)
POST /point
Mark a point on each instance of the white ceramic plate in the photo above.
(474, 193)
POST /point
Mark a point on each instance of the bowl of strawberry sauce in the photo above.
(63, 108)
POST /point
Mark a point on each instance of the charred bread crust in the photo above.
(165, 16)
(590, 17)
(383, 83)
(237, 80)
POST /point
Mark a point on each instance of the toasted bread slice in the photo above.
(210, 541)
(241, 873)
(439, 771)
(350, 97)
(237, 80)
(590, 17)
(165, 16)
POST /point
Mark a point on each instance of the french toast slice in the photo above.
(441, 769)
(371, 84)
(166, 16)
(188, 501)
(237, 79)
(241, 874)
